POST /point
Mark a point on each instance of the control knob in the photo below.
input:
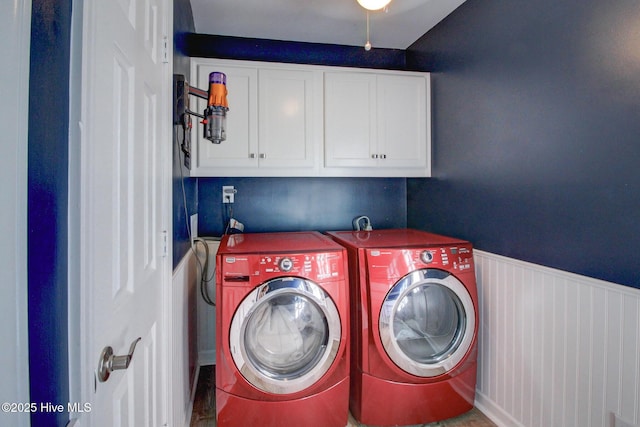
(426, 257)
(286, 264)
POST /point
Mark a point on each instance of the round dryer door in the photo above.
(427, 322)
(285, 335)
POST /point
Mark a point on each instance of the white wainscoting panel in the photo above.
(206, 312)
(183, 360)
(556, 349)
(192, 331)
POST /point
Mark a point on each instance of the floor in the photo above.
(204, 408)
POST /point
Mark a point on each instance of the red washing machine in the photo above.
(282, 331)
(414, 326)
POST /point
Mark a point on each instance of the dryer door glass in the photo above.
(285, 335)
(427, 322)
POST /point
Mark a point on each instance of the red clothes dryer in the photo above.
(282, 331)
(414, 326)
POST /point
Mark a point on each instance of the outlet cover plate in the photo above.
(228, 194)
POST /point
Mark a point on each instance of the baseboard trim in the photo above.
(207, 357)
(494, 412)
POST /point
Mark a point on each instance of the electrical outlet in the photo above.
(193, 226)
(228, 194)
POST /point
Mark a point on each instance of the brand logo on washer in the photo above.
(230, 260)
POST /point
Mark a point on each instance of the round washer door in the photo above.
(285, 335)
(427, 322)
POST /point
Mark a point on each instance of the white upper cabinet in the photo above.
(290, 118)
(377, 124)
(350, 121)
(274, 122)
(305, 120)
(402, 121)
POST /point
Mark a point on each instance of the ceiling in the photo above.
(321, 21)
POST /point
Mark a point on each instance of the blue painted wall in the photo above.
(295, 204)
(536, 133)
(48, 207)
(185, 201)
(213, 46)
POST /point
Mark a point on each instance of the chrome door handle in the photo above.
(109, 362)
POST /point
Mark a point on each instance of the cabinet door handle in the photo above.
(383, 156)
(252, 155)
(374, 156)
(263, 156)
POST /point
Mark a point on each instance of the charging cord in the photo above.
(205, 278)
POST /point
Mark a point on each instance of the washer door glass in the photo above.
(285, 335)
(427, 322)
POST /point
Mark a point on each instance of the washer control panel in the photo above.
(286, 264)
(314, 266)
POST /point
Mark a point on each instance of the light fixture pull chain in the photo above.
(367, 45)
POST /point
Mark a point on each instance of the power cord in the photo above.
(228, 217)
(366, 226)
(202, 269)
(184, 193)
(204, 278)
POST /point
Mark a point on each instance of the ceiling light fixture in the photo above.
(373, 4)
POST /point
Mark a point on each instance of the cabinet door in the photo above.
(288, 118)
(241, 146)
(402, 113)
(350, 132)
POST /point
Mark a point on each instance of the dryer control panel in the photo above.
(398, 262)
(457, 257)
(318, 267)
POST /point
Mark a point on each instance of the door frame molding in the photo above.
(13, 222)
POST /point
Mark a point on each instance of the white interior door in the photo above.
(15, 32)
(125, 145)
